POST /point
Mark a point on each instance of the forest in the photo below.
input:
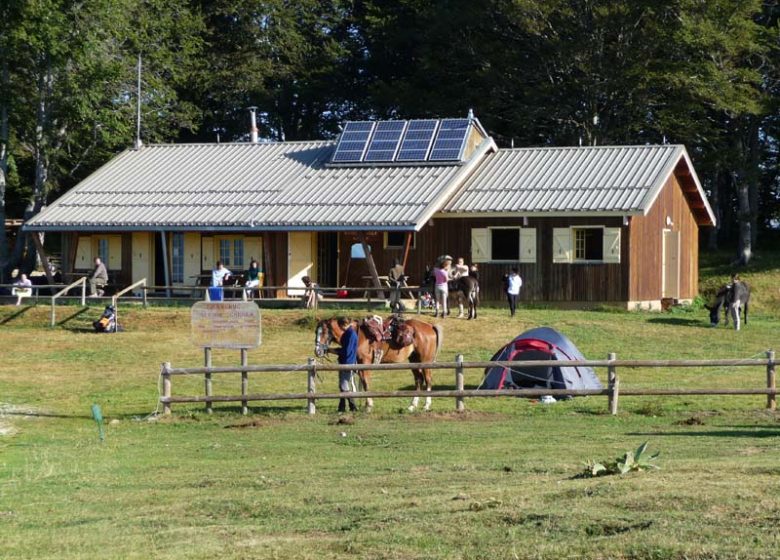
(703, 73)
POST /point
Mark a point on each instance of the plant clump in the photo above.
(631, 461)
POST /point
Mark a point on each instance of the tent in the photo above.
(543, 343)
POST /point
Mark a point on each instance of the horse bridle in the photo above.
(321, 348)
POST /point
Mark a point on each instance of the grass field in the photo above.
(498, 481)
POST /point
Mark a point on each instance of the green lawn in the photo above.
(496, 482)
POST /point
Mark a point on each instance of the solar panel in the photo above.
(417, 140)
(384, 142)
(353, 140)
(450, 139)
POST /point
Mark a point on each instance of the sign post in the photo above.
(234, 324)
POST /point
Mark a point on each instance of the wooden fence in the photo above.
(612, 392)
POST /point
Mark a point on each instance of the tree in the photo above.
(71, 73)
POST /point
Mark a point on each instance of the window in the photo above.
(231, 251)
(505, 244)
(502, 244)
(177, 257)
(103, 250)
(594, 244)
(588, 244)
(238, 253)
(397, 239)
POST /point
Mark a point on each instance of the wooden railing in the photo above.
(81, 281)
(613, 390)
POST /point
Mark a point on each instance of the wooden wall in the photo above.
(542, 281)
(646, 245)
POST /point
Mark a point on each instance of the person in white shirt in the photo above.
(219, 274)
(460, 269)
(23, 288)
(513, 285)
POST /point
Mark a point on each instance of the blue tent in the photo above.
(543, 343)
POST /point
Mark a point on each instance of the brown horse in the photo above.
(425, 347)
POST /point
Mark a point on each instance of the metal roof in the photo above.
(603, 179)
(244, 186)
(288, 186)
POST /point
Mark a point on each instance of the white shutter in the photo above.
(562, 252)
(612, 245)
(528, 245)
(480, 245)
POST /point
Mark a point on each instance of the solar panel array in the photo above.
(402, 141)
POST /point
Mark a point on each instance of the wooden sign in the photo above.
(226, 324)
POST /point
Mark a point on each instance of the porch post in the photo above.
(267, 268)
(166, 272)
(407, 246)
(371, 264)
(36, 237)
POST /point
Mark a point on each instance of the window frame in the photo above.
(574, 259)
(387, 244)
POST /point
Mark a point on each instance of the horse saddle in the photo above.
(393, 330)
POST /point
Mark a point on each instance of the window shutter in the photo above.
(480, 245)
(528, 245)
(612, 245)
(562, 252)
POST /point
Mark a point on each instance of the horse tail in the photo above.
(439, 340)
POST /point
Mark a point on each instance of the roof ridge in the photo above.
(232, 144)
(603, 147)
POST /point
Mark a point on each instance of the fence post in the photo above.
(84, 293)
(614, 385)
(771, 400)
(143, 290)
(312, 407)
(419, 302)
(207, 363)
(244, 380)
(53, 314)
(166, 386)
(460, 405)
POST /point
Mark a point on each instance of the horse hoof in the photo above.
(411, 409)
(369, 409)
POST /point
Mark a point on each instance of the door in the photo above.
(300, 260)
(671, 265)
(143, 257)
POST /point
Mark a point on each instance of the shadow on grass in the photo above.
(680, 322)
(17, 314)
(774, 432)
(73, 316)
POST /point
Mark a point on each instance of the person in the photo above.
(441, 275)
(397, 279)
(311, 295)
(219, 274)
(23, 289)
(513, 285)
(459, 270)
(347, 355)
(98, 278)
(252, 277)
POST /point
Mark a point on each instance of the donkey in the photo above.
(731, 298)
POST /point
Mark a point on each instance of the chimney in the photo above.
(253, 129)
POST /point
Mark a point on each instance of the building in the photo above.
(586, 225)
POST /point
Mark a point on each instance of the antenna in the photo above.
(138, 143)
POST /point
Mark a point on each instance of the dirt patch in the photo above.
(254, 423)
(471, 416)
(692, 421)
(17, 411)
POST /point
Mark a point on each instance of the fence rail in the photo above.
(81, 281)
(613, 390)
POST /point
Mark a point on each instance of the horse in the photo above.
(731, 298)
(464, 288)
(425, 344)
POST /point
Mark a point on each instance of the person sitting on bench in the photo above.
(98, 279)
(23, 290)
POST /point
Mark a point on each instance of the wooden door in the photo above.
(143, 257)
(671, 265)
